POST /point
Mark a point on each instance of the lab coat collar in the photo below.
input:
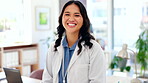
(75, 56)
(60, 49)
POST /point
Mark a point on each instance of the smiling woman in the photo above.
(75, 57)
(72, 21)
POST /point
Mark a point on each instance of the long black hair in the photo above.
(84, 32)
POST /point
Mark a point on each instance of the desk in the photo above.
(109, 79)
(24, 78)
(117, 79)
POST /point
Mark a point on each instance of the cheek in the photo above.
(81, 21)
(64, 19)
(63, 22)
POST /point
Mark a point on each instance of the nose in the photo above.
(71, 18)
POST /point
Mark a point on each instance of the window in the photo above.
(12, 29)
(128, 15)
(97, 12)
(121, 27)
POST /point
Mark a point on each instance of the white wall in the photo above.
(37, 35)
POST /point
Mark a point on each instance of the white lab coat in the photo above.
(87, 67)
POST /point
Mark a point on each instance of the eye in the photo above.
(67, 14)
(77, 15)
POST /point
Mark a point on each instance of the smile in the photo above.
(71, 24)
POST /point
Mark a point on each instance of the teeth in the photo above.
(71, 24)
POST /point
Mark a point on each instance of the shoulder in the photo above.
(51, 47)
(95, 49)
(94, 41)
(95, 52)
(95, 44)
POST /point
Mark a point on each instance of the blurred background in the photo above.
(113, 23)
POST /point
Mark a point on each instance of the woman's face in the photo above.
(72, 19)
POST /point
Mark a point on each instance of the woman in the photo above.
(75, 57)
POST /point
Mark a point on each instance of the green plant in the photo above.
(142, 53)
(120, 63)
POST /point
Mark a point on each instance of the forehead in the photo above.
(72, 8)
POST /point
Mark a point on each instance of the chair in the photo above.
(37, 74)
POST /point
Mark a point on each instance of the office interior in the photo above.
(114, 23)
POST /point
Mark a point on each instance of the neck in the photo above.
(71, 39)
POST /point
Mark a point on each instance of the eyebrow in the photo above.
(66, 12)
(74, 13)
(77, 13)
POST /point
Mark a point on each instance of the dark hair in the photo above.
(84, 30)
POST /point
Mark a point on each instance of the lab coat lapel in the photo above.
(75, 57)
(59, 59)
